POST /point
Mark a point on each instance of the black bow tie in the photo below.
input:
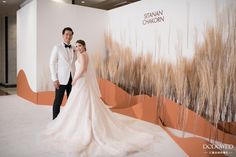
(67, 46)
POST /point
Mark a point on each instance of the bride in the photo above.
(85, 126)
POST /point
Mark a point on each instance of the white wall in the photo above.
(88, 24)
(51, 17)
(26, 42)
(162, 38)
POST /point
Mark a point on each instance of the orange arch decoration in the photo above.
(24, 91)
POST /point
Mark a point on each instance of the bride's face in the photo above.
(79, 47)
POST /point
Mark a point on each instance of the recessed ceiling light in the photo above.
(4, 1)
(83, 2)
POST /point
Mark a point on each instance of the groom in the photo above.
(62, 68)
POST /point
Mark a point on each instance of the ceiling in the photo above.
(9, 7)
(103, 4)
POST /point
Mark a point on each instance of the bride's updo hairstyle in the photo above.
(82, 42)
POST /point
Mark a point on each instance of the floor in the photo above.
(3, 92)
(22, 123)
(7, 91)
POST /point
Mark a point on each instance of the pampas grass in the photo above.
(205, 84)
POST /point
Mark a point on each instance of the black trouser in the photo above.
(59, 94)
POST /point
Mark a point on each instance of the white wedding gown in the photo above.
(87, 127)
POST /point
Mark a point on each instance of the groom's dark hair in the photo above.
(67, 29)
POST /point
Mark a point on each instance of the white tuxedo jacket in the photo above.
(62, 63)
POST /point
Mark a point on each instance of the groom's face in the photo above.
(67, 36)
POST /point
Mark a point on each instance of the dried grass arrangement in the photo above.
(205, 84)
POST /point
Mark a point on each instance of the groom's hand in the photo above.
(56, 84)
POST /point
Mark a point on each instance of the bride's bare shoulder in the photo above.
(84, 55)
